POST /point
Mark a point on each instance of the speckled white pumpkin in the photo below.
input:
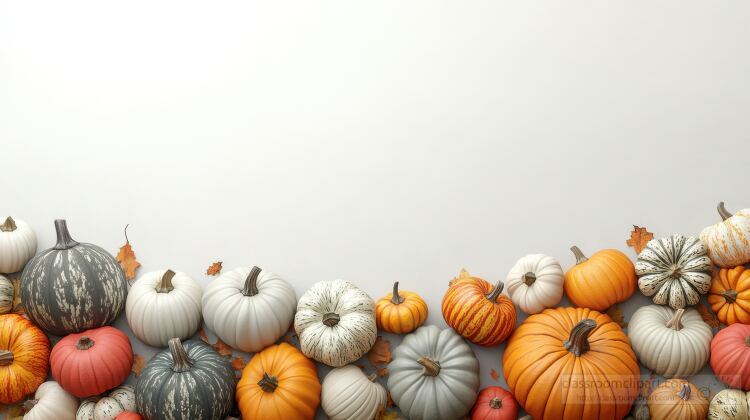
(335, 322)
(728, 242)
(535, 283)
(434, 375)
(348, 394)
(119, 400)
(164, 304)
(249, 308)
(730, 404)
(51, 402)
(17, 244)
(7, 293)
(671, 343)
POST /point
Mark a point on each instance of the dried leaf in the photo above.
(390, 400)
(214, 269)
(380, 353)
(238, 364)
(384, 414)
(616, 314)
(463, 274)
(639, 237)
(202, 335)
(383, 372)
(494, 375)
(707, 315)
(126, 258)
(361, 366)
(222, 348)
(138, 363)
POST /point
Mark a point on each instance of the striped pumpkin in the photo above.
(728, 242)
(24, 358)
(674, 271)
(73, 286)
(7, 294)
(17, 245)
(478, 311)
(120, 400)
(335, 322)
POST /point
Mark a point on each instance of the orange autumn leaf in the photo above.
(380, 353)
(639, 237)
(202, 335)
(138, 363)
(384, 414)
(616, 314)
(214, 269)
(708, 316)
(390, 400)
(222, 348)
(383, 372)
(494, 375)
(126, 258)
(238, 363)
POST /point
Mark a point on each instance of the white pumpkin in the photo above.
(535, 283)
(730, 404)
(7, 293)
(51, 402)
(119, 400)
(17, 245)
(162, 305)
(249, 308)
(335, 322)
(671, 343)
(728, 242)
(348, 394)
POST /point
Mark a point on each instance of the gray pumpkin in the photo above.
(73, 286)
(188, 381)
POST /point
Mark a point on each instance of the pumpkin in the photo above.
(24, 358)
(7, 294)
(73, 286)
(556, 359)
(248, 308)
(674, 271)
(335, 322)
(728, 242)
(91, 362)
(279, 383)
(535, 282)
(433, 375)
(400, 312)
(17, 245)
(187, 381)
(730, 356)
(163, 304)
(671, 343)
(128, 415)
(349, 394)
(729, 404)
(600, 281)
(729, 295)
(120, 400)
(478, 311)
(677, 399)
(495, 403)
(51, 402)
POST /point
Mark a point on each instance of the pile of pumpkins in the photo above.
(559, 363)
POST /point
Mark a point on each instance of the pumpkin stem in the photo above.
(529, 278)
(180, 360)
(730, 295)
(495, 292)
(331, 319)
(268, 383)
(84, 343)
(29, 404)
(396, 299)
(723, 212)
(9, 225)
(526, 417)
(676, 322)
(251, 282)
(578, 342)
(372, 377)
(64, 241)
(165, 284)
(431, 367)
(747, 341)
(580, 258)
(496, 403)
(6, 357)
(684, 392)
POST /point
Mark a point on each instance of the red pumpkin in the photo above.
(730, 356)
(128, 415)
(91, 362)
(495, 403)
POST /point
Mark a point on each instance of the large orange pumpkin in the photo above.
(571, 363)
(279, 383)
(400, 312)
(600, 281)
(24, 358)
(729, 295)
(478, 311)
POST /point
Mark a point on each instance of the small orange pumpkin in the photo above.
(400, 312)
(598, 282)
(478, 311)
(24, 358)
(279, 383)
(729, 295)
(677, 399)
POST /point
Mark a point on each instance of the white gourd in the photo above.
(671, 343)
(119, 400)
(7, 293)
(728, 242)
(51, 402)
(164, 304)
(249, 308)
(730, 404)
(335, 322)
(535, 283)
(348, 394)
(17, 244)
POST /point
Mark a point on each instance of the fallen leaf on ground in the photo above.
(616, 314)
(383, 372)
(138, 363)
(126, 258)
(222, 348)
(494, 375)
(202, 335)
(380, 353)
(214, 269)
(708, 316)
(390, 400)
(384, 414)
(238, 364)
(639, 237)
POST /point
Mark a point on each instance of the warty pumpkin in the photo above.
(119, 400)
(51, 402)
(400, 312)
(729, 295)
(728, 242)
(17, 245)
(535, 282)
(24, 358)
(555, 358)
(600, 281)
(7, 294)
(730, 356)
(495, 403)
(479, 311)
(348, 394)
(677, 399)
(729, 404)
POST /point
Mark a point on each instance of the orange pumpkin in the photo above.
(677, 399)
(571, 363)
(729, 295)
(279, 383)
(478, 311)
(598, 282)
(24, 358)
(400, 312)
